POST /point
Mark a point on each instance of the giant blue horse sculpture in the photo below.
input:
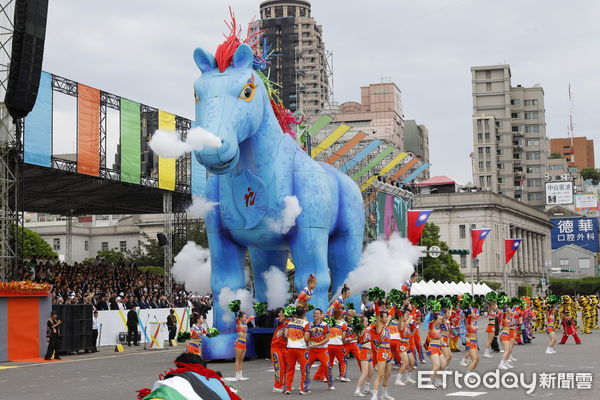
(251, 173)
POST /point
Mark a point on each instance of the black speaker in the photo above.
(162, 239)
(27, 54)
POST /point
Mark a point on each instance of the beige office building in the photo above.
(379, 113)
(511, 150)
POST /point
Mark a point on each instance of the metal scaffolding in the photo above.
(10, 216)
(168, 255)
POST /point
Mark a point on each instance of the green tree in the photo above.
(443, 268)
(591, 173)
(555, 156)
(113, 258)
(148, 254)
(34, 246)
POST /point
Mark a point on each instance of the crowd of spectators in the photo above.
(109, 288)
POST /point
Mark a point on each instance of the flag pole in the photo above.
(472, 262)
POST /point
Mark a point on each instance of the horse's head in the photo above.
(230, 102)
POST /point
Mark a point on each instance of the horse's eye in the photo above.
(247, 92)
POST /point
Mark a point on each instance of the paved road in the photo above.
(108, 375)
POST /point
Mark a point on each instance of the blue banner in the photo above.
(581, 231)
(37, 140)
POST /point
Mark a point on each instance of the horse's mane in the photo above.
(224, 58)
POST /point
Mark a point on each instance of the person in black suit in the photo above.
(132, 322)
(53, 332)
(103, 304)
(172, 326)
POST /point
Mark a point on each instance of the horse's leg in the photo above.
(227, 270)
(262, 261)
(309, 253)
(345, 244)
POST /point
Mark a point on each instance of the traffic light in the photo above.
(461, 252)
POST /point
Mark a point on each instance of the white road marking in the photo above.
(529, 364)
(556, 365)
(465, 394)
(270, 370)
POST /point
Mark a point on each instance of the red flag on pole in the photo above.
(510, 248)
(416, 224)
(478, 237)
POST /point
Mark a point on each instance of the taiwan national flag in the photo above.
(416, 224)
(510, 248)
(478, 236)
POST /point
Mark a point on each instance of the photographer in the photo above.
(53, 332)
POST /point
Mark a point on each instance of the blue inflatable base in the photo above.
(222, 347)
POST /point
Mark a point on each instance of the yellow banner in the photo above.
(166, 166)
(329, 140)
(384, 170)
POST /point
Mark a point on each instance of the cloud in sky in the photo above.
(143, 50)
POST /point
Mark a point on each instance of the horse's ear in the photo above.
(243, 57)
(204, 60)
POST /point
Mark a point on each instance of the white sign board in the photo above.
(586, 201)
(559, 193)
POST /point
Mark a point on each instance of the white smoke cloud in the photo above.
(277, 287)
(169, 145)
(200, 207)
(226, 296)
(288, 216)
(192, 268)
(385, 263)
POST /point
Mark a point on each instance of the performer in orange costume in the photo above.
(241, 324)
(551, 329)
(380, 336)
(306, 294)
(351, 340)
(335, 348)
(319, 336)
(407, 365)
(279, 352)
(434, 349)
(338, 304)
(197, 332)
(473, 351)
(505, 322)
(298, 335)
(366, 360)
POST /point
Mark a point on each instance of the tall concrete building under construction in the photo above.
(300, 64)
(510, 147)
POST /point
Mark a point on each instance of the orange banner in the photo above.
(346, 147)
(88, 130)
(405, 168)
(23, 328)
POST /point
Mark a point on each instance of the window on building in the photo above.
(532, 102)
(480, 137)
(279, 12)
(499, 124)
(480, 150)
(487, 136)
(291, 11)
(480, 164)
(500, 180)
(534, 183)
(533, 156)
(462, 231)
(500, 165)
(534, 170)
(514, 115)
(56, 244)
(487, 150)
(479, 124)
(104, 246)
(486, 123)
(515, 128)
(481, 181)
(86, 245)
(531, 115)
(488, 86)
(532, 128)
(488, 164)
(123, 246)
(564, 262)
(488, 180)
(473, 226)
(499, 138)
(584, 263)
(303, 14)
(515, 101)
(499, 152)
(532, 142)
(488, 74)
(463, 261)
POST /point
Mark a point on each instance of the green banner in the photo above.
(391, 215)
(131, 138)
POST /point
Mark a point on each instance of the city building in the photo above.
(457, 213)
(573, 262)
(300, 66)
(511, 150)
(380, 114)
(416, 141)
(91, 234)
(578, 151)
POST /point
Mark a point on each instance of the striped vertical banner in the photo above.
(166, 166)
